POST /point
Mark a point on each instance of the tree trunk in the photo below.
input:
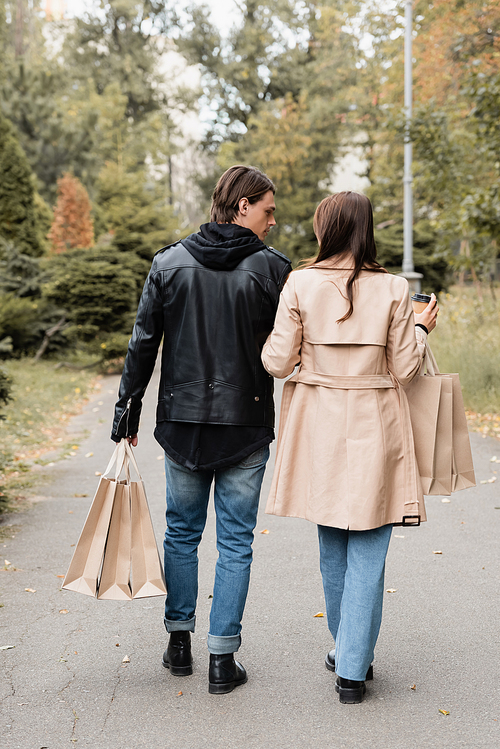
(48, 335)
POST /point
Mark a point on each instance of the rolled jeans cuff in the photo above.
(183, 626)
(219, 645)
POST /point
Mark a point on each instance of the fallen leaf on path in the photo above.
(80, 495)
(444, 712)
(7, 647)
(493, 459)
(126, 659)
(160, 457)
(179, 694)
(88, 455)
(391, 590)
(30, 590)
(489, 481)
(437, 552)
(59, 575)
(63, 611)
(319, 614)
(95, 410)
(210, 596)
(22, 703)
(98, 473)
(445, 500)
(265, 531)
(74, 447)
(396, 536)
(7, 562)
(413, 686)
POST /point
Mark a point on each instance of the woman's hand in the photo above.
(429, 316)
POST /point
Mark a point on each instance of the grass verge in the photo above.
(43, 399)
(467, 341)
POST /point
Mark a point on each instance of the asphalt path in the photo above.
(64, 683)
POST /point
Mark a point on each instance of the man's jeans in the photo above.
(236, 499)
(352, 566)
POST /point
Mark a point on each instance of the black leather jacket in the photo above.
(213, 298)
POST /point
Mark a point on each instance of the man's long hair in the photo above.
(236, 183)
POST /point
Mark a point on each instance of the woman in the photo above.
(345, 456)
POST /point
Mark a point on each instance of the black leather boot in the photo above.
(330, 664)
(177, 657)
(224, 674)
(350, 692)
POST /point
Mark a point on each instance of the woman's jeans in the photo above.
(236, 499)
(352, 566)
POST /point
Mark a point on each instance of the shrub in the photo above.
(97, 296)
(5, 390)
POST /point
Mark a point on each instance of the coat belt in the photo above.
(343, 382)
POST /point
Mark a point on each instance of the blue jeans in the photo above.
(236, 498)
(352, 566)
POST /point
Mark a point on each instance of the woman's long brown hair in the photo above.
(343, 224)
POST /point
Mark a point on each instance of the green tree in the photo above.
(121, 42)
(279, 90)
(19, 216)
(132, 211)
(103, 96)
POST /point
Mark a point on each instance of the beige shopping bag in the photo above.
(115, 576)
(147, 571)
(83, 573)
(440, 432)
(431, 413)
(463, 468)
(117, 541)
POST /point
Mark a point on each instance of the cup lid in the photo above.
(421, 298)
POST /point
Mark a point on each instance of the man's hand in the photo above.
(133, 440)
(429, 316)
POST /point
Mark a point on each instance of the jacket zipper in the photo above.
(127, 411)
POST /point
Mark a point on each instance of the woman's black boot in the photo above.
(350, 692)
(330, 664)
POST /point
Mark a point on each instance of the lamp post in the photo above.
(414, 279)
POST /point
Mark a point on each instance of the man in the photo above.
(213, 298)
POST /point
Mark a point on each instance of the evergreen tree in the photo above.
(18, 211)
(134, 212)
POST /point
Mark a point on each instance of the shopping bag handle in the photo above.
(129, 453)
(118, 459)
(122, 456)
(429, 363)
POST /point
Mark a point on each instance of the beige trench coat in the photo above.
(345, 453)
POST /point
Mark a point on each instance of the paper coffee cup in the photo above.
(420, 302)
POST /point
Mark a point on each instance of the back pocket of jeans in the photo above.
(256, 458)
